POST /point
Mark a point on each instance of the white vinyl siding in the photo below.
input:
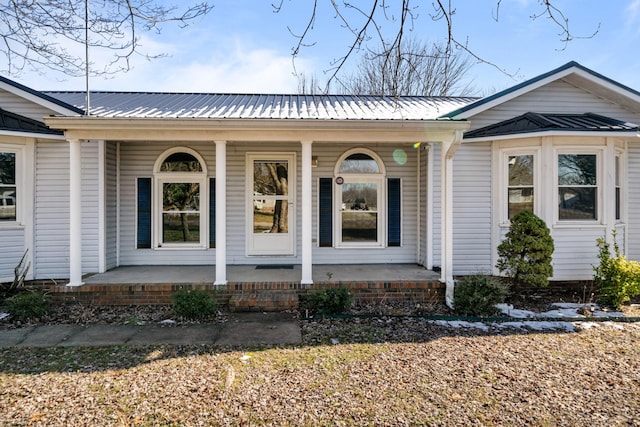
(556, 97)
(137, 160)
(472, 209)
(11, 250)
(90, 215)
(633, 201)
(18, 105)
(111, 205)
(52, 210)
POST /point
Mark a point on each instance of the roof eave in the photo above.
(539, 134)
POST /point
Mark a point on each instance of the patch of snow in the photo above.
(167, 322)
(513, 312)
(462, 324)
(538, 326)
(4, 316)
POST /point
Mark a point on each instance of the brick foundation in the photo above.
(250, 296)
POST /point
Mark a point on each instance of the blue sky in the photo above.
(243, 46)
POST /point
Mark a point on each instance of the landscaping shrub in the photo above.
(194, 304)
(617, 279)
(327, 301)
(478, 294)
(525, 253)
(27, 305)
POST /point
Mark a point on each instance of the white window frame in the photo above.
(599, 153)
(503, 176)
(347, 178)
(160, 178)
(18, 150)
(619, 183)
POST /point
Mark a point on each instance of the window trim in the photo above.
(159, 179)
(599, 153)
(20, 169)
(503, 196)
(378, 178)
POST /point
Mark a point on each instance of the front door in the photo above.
(270, 203)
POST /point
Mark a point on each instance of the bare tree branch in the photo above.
(37, 34)
(370, 25)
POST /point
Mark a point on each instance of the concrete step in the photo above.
(268, 301)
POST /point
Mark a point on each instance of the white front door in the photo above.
(270, 203)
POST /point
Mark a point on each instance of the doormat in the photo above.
(274, 267)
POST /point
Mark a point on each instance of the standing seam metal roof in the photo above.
(266, 106)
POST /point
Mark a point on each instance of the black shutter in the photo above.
(212, 212)
(325, 212)
(144, 213)
(394, 223)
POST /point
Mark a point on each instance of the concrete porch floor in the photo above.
(150, 274)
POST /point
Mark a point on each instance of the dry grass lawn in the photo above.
(447, 377)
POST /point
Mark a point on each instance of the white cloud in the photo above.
(234, 67)
(633, 13)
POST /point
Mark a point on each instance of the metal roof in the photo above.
(538, 122)
(16, 123)
(247, 106)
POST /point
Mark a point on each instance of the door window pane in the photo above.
(359, 163)
(181, 162)
(270, 196)
(180, 227)
(359, 212)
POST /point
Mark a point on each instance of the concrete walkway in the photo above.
(240, 329)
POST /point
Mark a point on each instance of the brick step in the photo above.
(263, 301)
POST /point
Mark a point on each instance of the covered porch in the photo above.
(254, 287)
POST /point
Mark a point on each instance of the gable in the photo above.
(27, 102)
(557, 97)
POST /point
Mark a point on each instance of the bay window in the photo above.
(577, 187)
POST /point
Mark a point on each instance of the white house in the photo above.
(222, 179)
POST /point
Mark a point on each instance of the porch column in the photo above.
(75, 212)
(306, 191)
(221, 213)
(448, 150)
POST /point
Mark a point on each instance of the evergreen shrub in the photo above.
(194, 304)
(526, 252)
(478, 294)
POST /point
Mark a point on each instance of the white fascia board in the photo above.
(32, 135)
(553, 133)
(257, 129)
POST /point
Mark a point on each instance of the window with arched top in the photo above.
(360, 193)
(180, 199)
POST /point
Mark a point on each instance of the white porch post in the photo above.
(448, 150)
(221, 213)
(102, 203)
(75, 212)
(306, 191)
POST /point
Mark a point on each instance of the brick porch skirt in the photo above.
(248, 296)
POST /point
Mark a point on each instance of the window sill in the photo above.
(11, 225)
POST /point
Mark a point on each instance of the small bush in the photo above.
(27, 305)
(194, 304)
(327, 301)
(526, 252)
(478, 294)
(617, 279)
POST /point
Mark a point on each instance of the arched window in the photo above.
(360, 195)
(180, 199)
